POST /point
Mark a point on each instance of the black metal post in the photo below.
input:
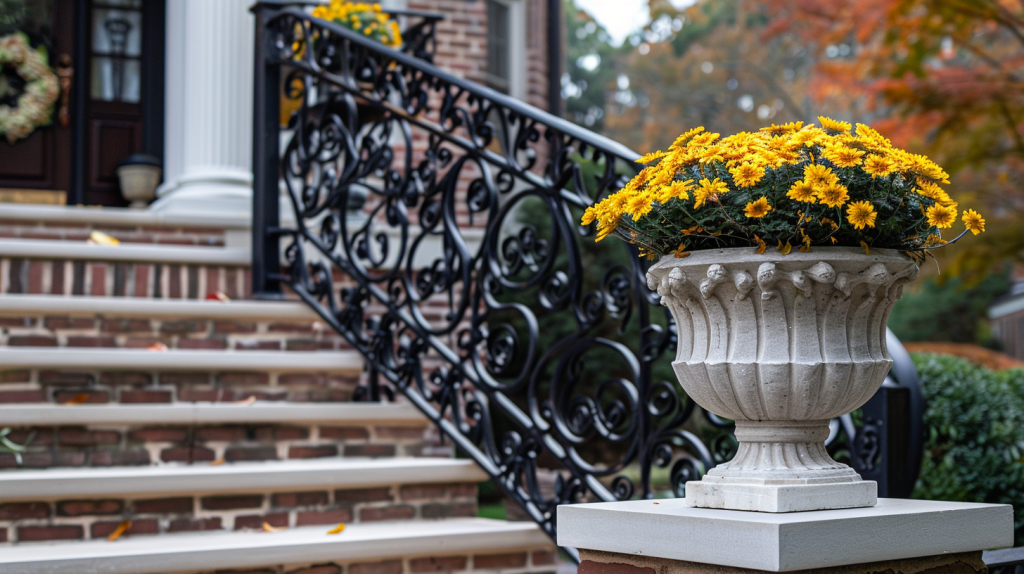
(266, 249)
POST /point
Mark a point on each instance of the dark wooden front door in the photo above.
(109, 54)
(39, 166)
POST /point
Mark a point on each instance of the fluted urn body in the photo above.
(781, 344)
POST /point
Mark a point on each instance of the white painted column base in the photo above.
(227, 192)
(894, 529)
(792, 495)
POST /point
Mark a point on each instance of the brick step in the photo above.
(394, 548)
(127, 225)
(233, 478)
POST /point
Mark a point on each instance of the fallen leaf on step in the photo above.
(246, 402)
(268, 528)
(158, 346)
(657, 503)
(217, 296)
(77, 399)
(121, 529)
(337, 529)
(217, 462)
(100, 238)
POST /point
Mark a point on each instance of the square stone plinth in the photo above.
(780, 497)
(894, 529)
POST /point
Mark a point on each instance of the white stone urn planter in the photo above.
(781, 344)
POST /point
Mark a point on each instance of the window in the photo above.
(116, 28)
(506, 46)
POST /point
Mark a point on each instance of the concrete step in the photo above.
(138, 307)
(236, 478)
(114, 359)
(453, 544)
(126, 252)
(205, 413)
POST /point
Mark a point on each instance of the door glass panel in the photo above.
(115, 79)
(116, 32)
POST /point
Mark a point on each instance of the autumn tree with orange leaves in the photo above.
(939, 77)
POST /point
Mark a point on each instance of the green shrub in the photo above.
(974, 443)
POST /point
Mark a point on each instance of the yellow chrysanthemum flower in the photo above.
(878, 166)
(681, 140)
(974, 222)
(802, 191)
(843, 156)
(639, 205)
(819, 175)
(833, 195)
(784, 128)
(648, 158)
(589, 216)
(675, 190)
(861, 214)
(757, 208)
(941, 216)
(834, 125)
(709, 189)
(747, 175)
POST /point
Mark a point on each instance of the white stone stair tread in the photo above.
(178, 359)
(49, 414)
(123, 216)
(70, 483)
(142, 307)
(214, 550)
(156, 253)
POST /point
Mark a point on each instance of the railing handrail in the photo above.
(568, 128)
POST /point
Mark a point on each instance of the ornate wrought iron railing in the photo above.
(434, 223)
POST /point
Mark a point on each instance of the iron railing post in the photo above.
(266, 250)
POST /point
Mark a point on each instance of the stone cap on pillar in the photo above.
(894, 529)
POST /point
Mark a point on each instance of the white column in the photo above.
(208, 125)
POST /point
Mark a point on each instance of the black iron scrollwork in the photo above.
(435, 226)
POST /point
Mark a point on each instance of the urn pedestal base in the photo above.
(717, 492)
(782, 467)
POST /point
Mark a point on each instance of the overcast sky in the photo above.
(619, 17)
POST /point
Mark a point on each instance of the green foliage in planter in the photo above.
(974, 443)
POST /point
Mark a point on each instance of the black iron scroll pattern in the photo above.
(436, 228)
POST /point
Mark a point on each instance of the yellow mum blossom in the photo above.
(833, 195)
(843, 156)
(809, 136)
(589, 216)
(747, 175)
(648, 158)
(819, 175)
(802, 191)
(709, 189)
(861, 214)
(784, 128)
(941, 216)
(703, 139)
(757, 208)
(878, 166)
(639, 205)
(676, 190)
(681, 140)
(834, 125)
(974, 222)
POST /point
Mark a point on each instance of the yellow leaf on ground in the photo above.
(77, 399)
(158, 346)
(268, 528)
(337, 529)
(121, 529)
(867, 251)
(218, 296)
(246, 402)
(100, 238)
(217, 462)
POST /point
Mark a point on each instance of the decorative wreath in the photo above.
(35, 104)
